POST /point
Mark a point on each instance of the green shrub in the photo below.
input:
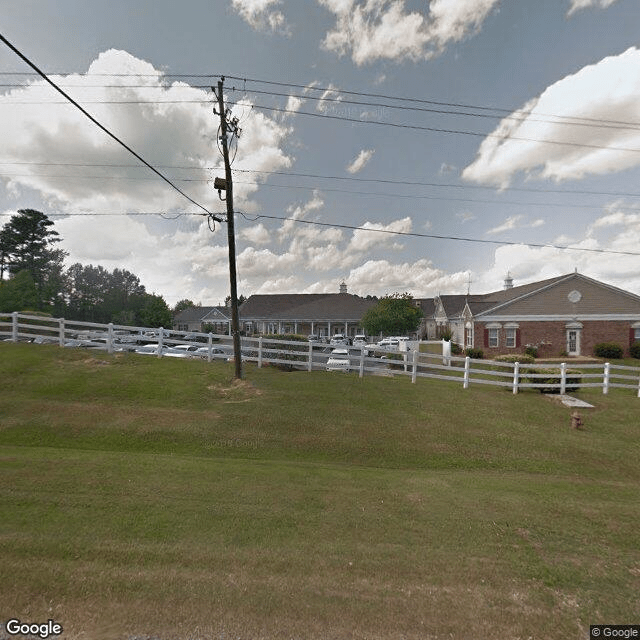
(515, 357)
(531, 350)
(553, 377)
(477, 354)
(456, 349)
(634, 350)
(608, 350)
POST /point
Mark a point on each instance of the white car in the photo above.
(389, 344)
(152, 350)
(189, 349)
(359, 340)
(339, 360)
(216, 353)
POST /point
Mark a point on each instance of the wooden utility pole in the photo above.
(235, 319)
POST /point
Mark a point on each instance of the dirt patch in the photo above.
(235, 391)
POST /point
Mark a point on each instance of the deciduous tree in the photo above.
(393, 315)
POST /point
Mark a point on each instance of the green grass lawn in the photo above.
(146, 497)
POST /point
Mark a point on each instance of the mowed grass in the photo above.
(159, 498)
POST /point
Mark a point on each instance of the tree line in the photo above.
(33, 278)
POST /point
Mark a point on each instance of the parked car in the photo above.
(340, 338)
(359, 340)
(152, 350)
(339, 360)
(216, 353)
(189, 349)
(389, 343)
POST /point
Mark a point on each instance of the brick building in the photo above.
(567, 315)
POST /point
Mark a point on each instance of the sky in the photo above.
(394, 145)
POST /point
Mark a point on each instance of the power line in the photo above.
(416, 127)
(517, 116)
(439, 237)
(98, 124)
(255, 217)
(447, 185)
(416, 183)
(377, 194)
(311, 87)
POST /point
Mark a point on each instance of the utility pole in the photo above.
(228, 186)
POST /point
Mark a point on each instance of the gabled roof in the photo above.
(567, 295)
(544, 297)
(305, 306)
(203, 314)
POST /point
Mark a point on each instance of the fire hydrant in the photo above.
(576, 420)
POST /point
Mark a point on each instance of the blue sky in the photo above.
(542, 152)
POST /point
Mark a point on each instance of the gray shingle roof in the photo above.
(305, 306)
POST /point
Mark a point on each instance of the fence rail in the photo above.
(369, 360)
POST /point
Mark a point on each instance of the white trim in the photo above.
(622, 317)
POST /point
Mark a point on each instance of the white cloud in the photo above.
(577, 5)
(420, 279)
(565, 112)
(257, 234)
(328, 99)
(363, 241)
(465, 216)
(262, 15)
(294, 103)
(515, 222)
(360, 161)
(371, 30)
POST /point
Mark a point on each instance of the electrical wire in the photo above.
(311, 87)
(443, 185)
(517, 116)
(416, 127)
(441, 237)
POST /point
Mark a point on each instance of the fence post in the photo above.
(260, 352)
(110, 338)
(446, 352)
(467, 366)
(361, 365)
(414, 371)
(160, 342)
(605, 379)
(61, 331)
(14, 326)
(310, 367)
(563, 378)
(516, 375)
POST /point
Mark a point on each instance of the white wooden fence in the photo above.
(556, 377)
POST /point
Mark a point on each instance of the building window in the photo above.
(493, 337)
(469, 332)
(510, 337)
